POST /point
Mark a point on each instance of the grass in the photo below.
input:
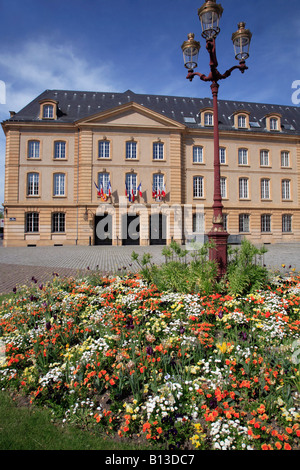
(29, 428)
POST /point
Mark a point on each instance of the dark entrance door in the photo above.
(103, 229)
(158, 229)
(130, 230)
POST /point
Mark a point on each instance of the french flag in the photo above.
(140, 189)
(163, 191)
(109, 189)
(98, 190)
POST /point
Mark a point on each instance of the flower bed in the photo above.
(178, 370)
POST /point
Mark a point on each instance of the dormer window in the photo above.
(48, 112)
(274, 124)
(242, 121)
(48, 109)
(208, 119)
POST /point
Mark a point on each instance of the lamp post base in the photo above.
(219, 251)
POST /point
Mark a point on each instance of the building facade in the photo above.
(125, 168)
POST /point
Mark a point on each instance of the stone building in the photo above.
(126, 168)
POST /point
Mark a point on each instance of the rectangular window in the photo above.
(33, 184)
(48, 111)
(33, 149)
(243, 188)
(242, 121)
(266, 223)
(104, 149)
(225, 221)
(285, 189)
(103, 181)
(285, 159)
(243, 157)
(131, 183)
(264, 158)
(158, 182)
(130, 150)
(158, 151)
(222, 154)
(286, 223)
(59, 149)
(208, 119)
(198, 186)
(273, 124)
(32, 222)
(197, 154)
(59, 184)
(223, 187)
(198, 222)
(265, 189)
(58, 222)
(244, 223)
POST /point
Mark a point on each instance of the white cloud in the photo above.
(38, 65)
(41, 64)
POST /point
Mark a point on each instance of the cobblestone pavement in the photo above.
(19, 265)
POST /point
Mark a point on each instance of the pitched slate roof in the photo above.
(75, 105)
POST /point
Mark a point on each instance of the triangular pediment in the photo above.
(130, 115)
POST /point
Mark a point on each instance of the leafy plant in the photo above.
(245, 272)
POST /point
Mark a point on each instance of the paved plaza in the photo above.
(19, 265)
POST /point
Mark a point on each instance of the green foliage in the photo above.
(177, 274)
(245, 271)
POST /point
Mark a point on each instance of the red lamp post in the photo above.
(209, 15)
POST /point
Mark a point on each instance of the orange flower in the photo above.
(278, 445)
(287, 446)
(146, 426)
(289, 430)
(159, 430)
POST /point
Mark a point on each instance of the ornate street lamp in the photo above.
(209, 15)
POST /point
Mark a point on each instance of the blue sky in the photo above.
(115, 45)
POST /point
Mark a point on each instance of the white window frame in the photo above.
(103, 179)
(242, 122)
(59, 150)
(31, 222)
(273, 124)
(265, 221)
(104, 149)
(131, 150)
(58, 222)
(243, 156)
(33, 184)
(48, 111)
(243, 188)
(59, 184)
(286, 223)
(198, 186)
(264, 158)
(208, 119)
(222, 155)
(265, 188)
(158, 151)
(33, 149)
(197, 154)
(286, 189)
(244, 223)
(285, 159)
(223, 186)
(131, 182)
